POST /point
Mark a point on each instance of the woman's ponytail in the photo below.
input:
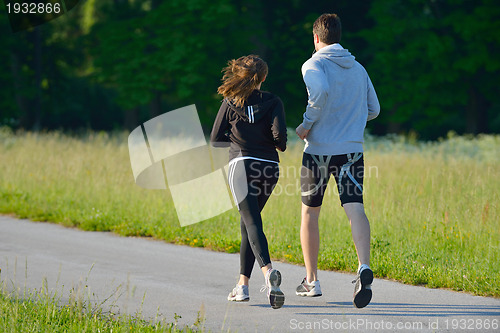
(241, 77)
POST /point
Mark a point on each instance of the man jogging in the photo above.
(341, 100)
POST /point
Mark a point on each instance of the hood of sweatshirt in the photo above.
(337, 54)
(256, 106)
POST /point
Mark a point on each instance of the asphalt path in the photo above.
(157, 281)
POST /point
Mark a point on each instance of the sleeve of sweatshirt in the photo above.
(278, 126)
(219, 136)
(317, 91)
(373, 103)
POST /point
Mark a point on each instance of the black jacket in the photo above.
(256, 129)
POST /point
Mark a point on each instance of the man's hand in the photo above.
(301, 132)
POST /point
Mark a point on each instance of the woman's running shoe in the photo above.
(274, 293)
(239, 294)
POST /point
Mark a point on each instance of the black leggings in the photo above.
(252, 182)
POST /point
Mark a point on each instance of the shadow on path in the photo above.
(405, 310)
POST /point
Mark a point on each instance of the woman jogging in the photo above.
(252, 123)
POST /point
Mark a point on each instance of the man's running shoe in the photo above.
(312, 289)
(274, 293)
(363, 288)
(239, 294)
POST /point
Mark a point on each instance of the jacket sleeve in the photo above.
(278, 126)
(373, 103)
(219, 136)
(317, 91)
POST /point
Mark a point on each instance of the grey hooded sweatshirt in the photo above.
(341, 100)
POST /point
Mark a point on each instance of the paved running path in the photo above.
(165, 279)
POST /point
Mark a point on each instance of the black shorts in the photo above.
(316, 170)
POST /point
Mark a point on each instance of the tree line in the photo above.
(113, 64)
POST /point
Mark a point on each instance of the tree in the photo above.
(171, 49)
(435, 63)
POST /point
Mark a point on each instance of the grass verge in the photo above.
(433, 207)
(39, 311)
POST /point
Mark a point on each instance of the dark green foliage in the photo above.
(116, 63)
(435, 64)
(169, 50)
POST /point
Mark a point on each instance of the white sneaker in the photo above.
(312, 289)
(239, 294)
(274, 293)
(363, 287)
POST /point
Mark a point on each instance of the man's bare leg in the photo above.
(309, 239)
(360, 229)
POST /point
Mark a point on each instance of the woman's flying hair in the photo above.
(241, 77)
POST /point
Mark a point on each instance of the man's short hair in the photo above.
(328, 28)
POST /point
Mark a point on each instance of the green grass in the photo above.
(433, 207)
(39, 311)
